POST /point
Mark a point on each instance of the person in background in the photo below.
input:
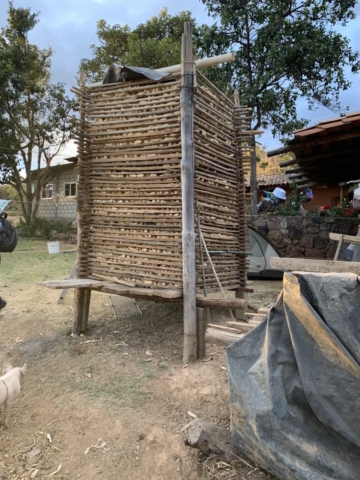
(271, 200)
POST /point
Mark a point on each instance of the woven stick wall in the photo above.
(220, 198)
(129, 189)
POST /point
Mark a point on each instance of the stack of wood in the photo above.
(226, 335)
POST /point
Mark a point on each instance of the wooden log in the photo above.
(219, 337)
(316, 266)
(81, 310)
(210, 439)
(187, 184)
(237, 303)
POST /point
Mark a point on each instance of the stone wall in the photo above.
(303, 237)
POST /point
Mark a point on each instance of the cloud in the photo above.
(69, 27)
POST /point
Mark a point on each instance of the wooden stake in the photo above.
(187, 185)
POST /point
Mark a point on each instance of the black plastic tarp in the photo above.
(116, 73)
(295, 381)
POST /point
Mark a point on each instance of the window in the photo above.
(70, 189)
(47, 191)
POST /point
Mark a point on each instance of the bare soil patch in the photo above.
(123, 387)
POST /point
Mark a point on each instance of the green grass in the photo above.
(30, 262)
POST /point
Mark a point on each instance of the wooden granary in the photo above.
(161, 193)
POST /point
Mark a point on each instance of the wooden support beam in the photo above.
(81, 310)
(320, 266)
(210, 439)
(187, 187)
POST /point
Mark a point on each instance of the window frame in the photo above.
(70, 184)
(47, 187)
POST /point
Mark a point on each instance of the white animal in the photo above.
(10, 386)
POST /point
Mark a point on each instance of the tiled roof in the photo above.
(273, 180)
(276, 180)
(324, 154)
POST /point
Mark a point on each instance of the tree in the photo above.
(153, 44)
(33, 113)
(285, 49)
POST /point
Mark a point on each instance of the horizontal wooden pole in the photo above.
(220, 302)
(309, 265)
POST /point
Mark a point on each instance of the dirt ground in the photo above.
(109, 405)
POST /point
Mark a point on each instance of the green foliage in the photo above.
(153, 44)
(342, 211)
(284, 50)
(42, 228)
(33, 113)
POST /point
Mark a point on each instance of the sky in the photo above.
(69, 27)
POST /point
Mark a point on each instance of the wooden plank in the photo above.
(70, 283)
(310, 265)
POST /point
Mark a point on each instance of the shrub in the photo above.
(42, 228)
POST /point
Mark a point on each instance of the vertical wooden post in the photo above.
(81, 310)
(187, 186)
(81, 296)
